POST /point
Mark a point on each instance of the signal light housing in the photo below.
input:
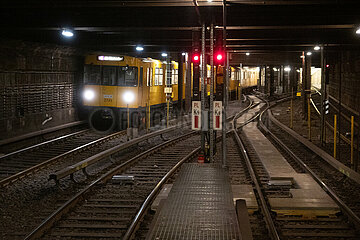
(327, 74)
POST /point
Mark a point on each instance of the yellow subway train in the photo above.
(123, 91)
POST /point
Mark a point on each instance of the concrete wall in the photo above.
(37, 81)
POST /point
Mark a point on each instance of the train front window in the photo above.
(128, 76)
(92, 74)
(109, 76)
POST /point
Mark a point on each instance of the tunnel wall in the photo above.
(345, 67)
(37, 81)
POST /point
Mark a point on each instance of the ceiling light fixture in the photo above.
(139, 48)
(67, 33)
(287, 69)
(247, 54)
(358, 31)
(317, 48)
(309, 53)
(164, 54)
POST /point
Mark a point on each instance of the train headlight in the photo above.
(129, 97)
(89, 95)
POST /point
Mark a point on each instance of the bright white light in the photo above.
(67, 33)
(358, 31)
(139, 48)
(309, 53)
(275, 69)
(110, 58)
(164, 54)
(316, 48)
(209, 0)
(183, 54)
(89, 95)
(247, 54)
(297, 70)
(129, 97)
(287, 69)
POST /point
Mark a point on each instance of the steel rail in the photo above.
(242, 111)
(318, 151)
(268, 219)
(326, 188)
(137, 220)
(55, 216)
(41, 144)
(40, 132)
(146, 204)
(314, 106)
(32, 169)
(66, 207)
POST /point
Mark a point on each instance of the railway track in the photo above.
(345, 189)
(13, 144)
(18, 164)
(298, 226)
(105, 208)
(141, 178)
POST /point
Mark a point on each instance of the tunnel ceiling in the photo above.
(273, 32)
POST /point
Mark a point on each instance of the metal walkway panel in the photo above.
(199, 206)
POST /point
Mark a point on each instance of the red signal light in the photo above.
(219, 58)
(196, 58)
(327, 65)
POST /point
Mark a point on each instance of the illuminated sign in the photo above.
(110, 58)
(196, 115)
(217, 115)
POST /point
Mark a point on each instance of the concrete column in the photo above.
(271, 82)
(188, 84)
(180, 82)
(306, 84)
(282, 80)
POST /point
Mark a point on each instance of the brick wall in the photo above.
(37, 81)
(345, 65)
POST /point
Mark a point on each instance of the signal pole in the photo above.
(211, 93)
(202, 79)
(225, 93)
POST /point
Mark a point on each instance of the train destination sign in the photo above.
(110, 58)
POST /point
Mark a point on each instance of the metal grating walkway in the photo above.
(199, 206)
